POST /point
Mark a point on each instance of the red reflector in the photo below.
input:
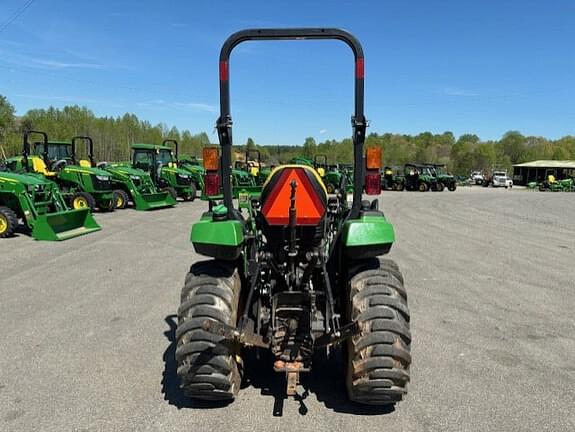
(212, 184)
(224, 71)
(309, 205)
(373, 183)
(359, 72)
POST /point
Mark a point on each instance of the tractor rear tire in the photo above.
(423, 187)
(440, 187)
(8, 222)
(452, 187)
(171, 191)
(378, 358)
(208, 366)
(82, 200)
(122, 199)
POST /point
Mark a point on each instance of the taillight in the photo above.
(373, 183)
(212, 184)
(211, 158)
(373, 158)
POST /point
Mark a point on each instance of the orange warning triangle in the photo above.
(309, 208)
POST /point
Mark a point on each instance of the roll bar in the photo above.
(26, 147)
(358, 122)
(90, 142)
(173, 141)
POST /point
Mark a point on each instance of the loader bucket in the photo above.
(64, 225)
(150, 201)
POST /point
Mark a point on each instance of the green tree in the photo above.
(6, 121)
(309, 147)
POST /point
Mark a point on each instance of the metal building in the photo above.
(537, 170)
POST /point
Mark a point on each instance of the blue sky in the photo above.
(481, 67)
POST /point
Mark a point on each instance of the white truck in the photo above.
(497, 178)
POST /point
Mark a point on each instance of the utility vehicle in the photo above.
(418, 177)
(440, 173)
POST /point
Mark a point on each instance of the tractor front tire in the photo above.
(378, 358)
(209, 367)
(171, 191)
(81, 200)
(122, 199)
(190, 196)
(8, 222)
(423, 187)
(452, 187)
(440, 187)
(330, 188)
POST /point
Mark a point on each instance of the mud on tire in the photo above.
(207, 365)
(378, 358)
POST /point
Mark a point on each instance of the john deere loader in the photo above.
(130, 184)
(193, 168)
(160, 163)
(82, 185)
(38, 203)
(293, 271)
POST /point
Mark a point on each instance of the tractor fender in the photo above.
(368, 236)
(218, 239)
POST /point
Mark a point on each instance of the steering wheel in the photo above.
(58, 165)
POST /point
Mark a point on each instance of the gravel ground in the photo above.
(87, 325)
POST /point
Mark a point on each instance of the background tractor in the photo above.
(192, 166)
(252, 165)
(82, 185)
(551, 183)
(130, 184)
(419, 178)
(160, 163)
(293, 271)
(41, 207)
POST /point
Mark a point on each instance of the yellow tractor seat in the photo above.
(85, 163)
(39, 166)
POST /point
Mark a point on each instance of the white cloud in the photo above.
(322, 131)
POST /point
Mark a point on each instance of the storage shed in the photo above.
(537, 170)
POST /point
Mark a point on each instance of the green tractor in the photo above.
(330, 175)
(293, 272)
(160, 163)
(418, 177)
(38, 202)
(551, 183)
(253, 167)
(440, 173)
(191, 165)
(82, 185)
(130, 184)
(392, 179)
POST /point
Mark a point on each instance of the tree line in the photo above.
(114, 135)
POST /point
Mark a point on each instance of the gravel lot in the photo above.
(87, 325)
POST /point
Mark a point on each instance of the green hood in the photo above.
(27, 179)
